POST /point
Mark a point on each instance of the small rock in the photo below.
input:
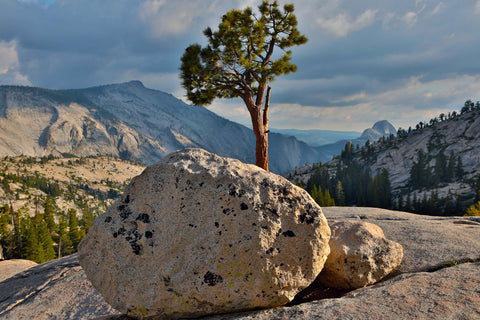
(199, 234)
(360, 255)
(54, 290)
(11, 267)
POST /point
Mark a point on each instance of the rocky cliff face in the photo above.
(459, 135)
(129, 121)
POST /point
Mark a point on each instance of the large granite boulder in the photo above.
(200, 234)
(360, 255)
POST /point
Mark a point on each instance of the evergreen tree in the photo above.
(239, 62)
(5, 229)
(38, 243)
(65, 246)
(87, 218)
(347, 153)
(400, 203)
(440, 169)
(459, 169)
(450, 172)
(420, 171)
(327, 200)
(49, 211)
(339, 194)
(16, 242)
(45, 239)
(74, 233)
(32, 248)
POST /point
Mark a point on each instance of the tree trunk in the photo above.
(261, 152)
(259, 124)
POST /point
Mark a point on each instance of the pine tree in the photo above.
(239, 61)
(87, 217)
(32, 248)
(328, 201)
(16, 244)
(316, 194)
(440, 169)
(459, 169)
(74, 232)
(450, 172)
(400, 203)
(45, 239)
(49, 211)
(339, 194)
(38, 243)
(65, 246)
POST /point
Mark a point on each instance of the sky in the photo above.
(403, 61)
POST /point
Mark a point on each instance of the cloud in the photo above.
(360, 61)
(343, 24)
(410, 18)
(167, 17)
(438, 8)
(9, 64)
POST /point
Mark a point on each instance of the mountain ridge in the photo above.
(433, 169)
(129, 121)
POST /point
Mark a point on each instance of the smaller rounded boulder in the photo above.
(360, 255)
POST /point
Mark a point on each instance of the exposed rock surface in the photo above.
(428, 242)
(55, 290)
(8, 268)
(459, 135)
(451, 293)
(199, 234)
(360, 255)
(130, 121)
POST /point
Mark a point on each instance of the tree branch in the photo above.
(265, 110)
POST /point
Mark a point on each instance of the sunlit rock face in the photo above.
(200, 234)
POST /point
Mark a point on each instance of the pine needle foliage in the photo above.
(239, 61)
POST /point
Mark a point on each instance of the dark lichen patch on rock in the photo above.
(243, 206)
(148, 234)
(307, 217)
(124, 211)
(143, 217)
(108, 219)
(212, 279)
(289, 233)
(132, 238)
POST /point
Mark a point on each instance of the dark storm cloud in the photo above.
(414, 53)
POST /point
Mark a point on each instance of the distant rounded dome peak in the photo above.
(384, 127)
(135, 83)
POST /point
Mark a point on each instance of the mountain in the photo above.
(316, 138)
(441, 142)
(128, 121)
(433, 169)
(74, 182)
(380, 129)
